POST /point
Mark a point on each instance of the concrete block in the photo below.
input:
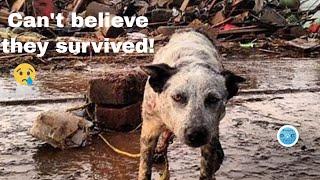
(118, 88)
(121, 119)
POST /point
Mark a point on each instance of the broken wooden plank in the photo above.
(17, 5)
(248, 29)
(39, 101)
(304, 44)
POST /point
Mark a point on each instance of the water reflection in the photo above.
(278, 74)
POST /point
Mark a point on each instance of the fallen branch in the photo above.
(39, 101)
(278, 91)
(6, 57)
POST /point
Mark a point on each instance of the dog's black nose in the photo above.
(196, 137)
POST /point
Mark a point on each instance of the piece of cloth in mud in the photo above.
(61, 129)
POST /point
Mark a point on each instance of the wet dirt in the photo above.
(248, 132)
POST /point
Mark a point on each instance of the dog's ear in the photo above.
(232, 82)
(159, 74)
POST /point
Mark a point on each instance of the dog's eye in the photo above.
(211, 100)
(180, 98)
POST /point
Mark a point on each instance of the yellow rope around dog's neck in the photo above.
(118, 150)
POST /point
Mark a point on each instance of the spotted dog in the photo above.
(186, 93)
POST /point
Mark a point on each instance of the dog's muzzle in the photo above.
(196, 137)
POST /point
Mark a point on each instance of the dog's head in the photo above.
(192, 100)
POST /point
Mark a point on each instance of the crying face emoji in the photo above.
(24, 74)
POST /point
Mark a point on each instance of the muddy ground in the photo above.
(279, 91)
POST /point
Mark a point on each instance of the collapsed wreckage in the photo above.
(226, 20)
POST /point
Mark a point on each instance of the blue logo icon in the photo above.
(288, 136)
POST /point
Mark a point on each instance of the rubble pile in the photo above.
(244, 21)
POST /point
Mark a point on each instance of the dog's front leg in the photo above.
(149, 136)
(211, 159)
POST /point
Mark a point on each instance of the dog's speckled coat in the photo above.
(186, 93)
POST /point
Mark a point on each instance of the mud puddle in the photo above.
(248, 133)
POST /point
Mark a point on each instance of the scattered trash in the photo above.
(315, 27)
(272, 17)
(224, 20)
(309, 5)
(61, 129)
(248, 45)
(291, 4)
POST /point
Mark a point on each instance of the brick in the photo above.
(118, 88)
(121, 119)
